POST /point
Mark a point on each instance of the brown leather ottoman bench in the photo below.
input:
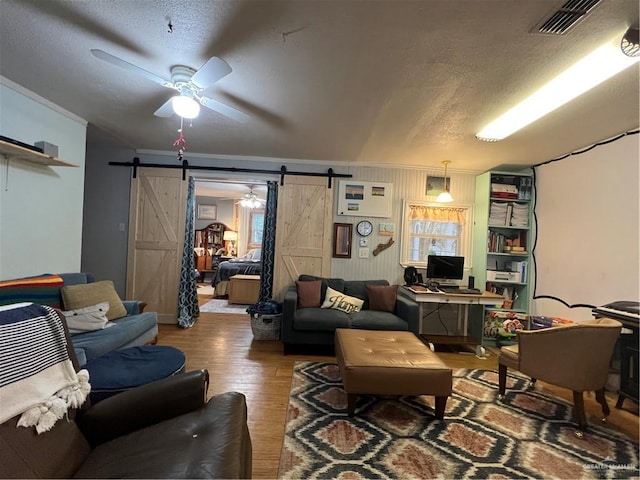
(380, 362)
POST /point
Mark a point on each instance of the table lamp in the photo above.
(231, 237)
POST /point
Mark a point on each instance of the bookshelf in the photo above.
(209, 241)
(501, 250)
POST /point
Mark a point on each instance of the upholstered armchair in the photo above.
(164, 429)
(574, 356)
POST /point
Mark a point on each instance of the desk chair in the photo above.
(574, 356)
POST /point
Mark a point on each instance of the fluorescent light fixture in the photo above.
(595, 68)
(445, 196)
(185, 106)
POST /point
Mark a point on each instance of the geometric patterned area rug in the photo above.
(528, 434)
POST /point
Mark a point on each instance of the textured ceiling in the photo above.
(364, 82)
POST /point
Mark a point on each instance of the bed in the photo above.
(248, 264)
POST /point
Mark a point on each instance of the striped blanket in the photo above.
(37, 378)
(43, 289)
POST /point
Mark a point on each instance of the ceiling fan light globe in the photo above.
(185, 106)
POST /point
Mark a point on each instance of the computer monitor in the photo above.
(445, 267)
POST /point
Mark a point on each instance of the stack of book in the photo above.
(520, 215)
(501, 190)
(498, 213)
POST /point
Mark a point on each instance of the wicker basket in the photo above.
(266, 327)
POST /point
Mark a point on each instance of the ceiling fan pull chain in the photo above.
(180, 142)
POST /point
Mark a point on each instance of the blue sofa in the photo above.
(137, 328)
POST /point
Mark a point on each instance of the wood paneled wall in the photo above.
(408, 184)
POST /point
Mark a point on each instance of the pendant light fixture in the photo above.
(445, 196)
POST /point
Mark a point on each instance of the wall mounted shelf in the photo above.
(16, 152)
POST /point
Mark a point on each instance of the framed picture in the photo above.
(207, 212)
(365, 199)
(386, 229)
(342, 233)
(435, 186)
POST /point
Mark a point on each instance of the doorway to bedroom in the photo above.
(229, 226)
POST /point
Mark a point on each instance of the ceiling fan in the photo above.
(251, 200)
(188, 82)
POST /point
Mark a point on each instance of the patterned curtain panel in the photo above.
(188, 309)
(269, 242)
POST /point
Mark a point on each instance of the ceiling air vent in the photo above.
(560, 21)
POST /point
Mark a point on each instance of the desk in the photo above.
(421, 295)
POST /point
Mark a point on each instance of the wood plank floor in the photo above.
(223, 344)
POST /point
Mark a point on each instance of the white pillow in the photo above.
(253, 254)
(87, 319)
(340, 301)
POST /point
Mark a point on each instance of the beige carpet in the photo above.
(221, 305)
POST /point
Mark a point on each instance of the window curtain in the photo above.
(269, 242)
(436, 214)
(243, 229)
(188, 310)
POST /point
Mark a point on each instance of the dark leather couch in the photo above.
(165, 429)
(316, 326)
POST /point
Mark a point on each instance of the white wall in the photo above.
(588, 245)
(40, 206)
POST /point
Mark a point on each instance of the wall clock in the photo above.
(364, 228)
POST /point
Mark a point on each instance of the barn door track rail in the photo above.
(184, 166)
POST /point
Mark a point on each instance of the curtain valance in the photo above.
(437, 214)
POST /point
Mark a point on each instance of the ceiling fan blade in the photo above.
(166, 110)
(211, 72)
(225, 110)
(107, 57)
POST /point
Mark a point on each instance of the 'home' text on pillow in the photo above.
(340, 301)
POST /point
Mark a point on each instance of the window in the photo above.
(256, 227)
(430, 229)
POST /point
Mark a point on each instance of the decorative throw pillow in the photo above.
(308, 293)
(85, 295)
(87, 319)
(382, 298)
(340, 301)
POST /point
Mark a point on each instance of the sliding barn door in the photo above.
(303, 231)
(156, 236)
